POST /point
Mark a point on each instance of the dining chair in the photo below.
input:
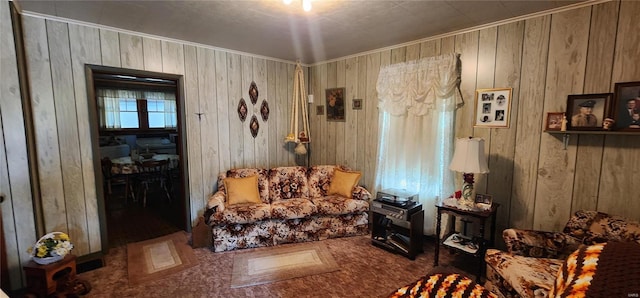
(151, 172)
(111, 179)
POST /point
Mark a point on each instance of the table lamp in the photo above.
(469, 158)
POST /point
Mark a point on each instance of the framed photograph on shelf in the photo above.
(587, 111)
(335, 104)
(554, 121)
(492, 107)
(483, 199)
(627, 106)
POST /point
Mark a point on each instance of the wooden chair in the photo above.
(151, 172)
(114, 179)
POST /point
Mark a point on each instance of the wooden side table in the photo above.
(44, 280)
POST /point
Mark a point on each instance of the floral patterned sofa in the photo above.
(533, 258)
(294, 207)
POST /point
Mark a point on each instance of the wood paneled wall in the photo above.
(544, 59)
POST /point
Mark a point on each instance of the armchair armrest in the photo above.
(360, 193)
(539, 244)
(215, 205)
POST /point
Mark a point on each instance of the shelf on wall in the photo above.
(566, 134)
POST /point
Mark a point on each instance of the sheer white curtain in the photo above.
(109, 105)
(416, 102)
(170, 113)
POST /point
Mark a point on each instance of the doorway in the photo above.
(138, 129)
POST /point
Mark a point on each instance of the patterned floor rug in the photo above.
(159, 258)
(268, 265)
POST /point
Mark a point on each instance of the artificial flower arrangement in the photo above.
(51, 248)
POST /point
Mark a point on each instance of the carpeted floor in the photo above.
(365, 271)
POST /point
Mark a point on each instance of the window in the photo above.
(135, 109)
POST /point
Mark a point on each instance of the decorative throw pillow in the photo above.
(242, 190)
(343, 183)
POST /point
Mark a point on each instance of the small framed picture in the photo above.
(492, 107)
(587, 111)
(319, 110)
(484, 199)
(554, 121)
(357, 104)
(627, 106)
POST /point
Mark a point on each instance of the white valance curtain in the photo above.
(417, 102)
(110, 100)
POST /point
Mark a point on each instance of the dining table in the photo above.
(128, 165)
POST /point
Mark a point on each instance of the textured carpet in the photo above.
(159, 258)
(281, 263)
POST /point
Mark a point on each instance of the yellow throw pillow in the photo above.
(242, 190)
(343, 183)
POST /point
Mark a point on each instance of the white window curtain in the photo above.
(109, 101)
(170, 113)
(417, 102)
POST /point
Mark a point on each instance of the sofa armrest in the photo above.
(360, 193)
(539, 244)
(215, 205)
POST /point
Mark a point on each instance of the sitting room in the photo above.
(318, 148)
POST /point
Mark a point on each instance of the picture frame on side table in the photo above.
(483, 199)
(554, 121)
(492, 108)
(588, 111)
(627, 106)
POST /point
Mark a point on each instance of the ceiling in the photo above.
(331, 30)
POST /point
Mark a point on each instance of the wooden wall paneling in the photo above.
(351, 127)
(131, 53)
(341, 126)
(261, 145)
(529, 128)
(430, 48)
(485, 74)
(398, 55)
(602, 40)
(67, 126)
(413, 52)
(448, 45)
(617, 186)
(110, 48)
(332, 81)
(565, 75)
(467, 45)
(223, 119)
(503, 141)
(274, 137)
(46, 133)
(281, 113)
(193, 129)
(85, 49)
(172, 57)
(375, 61)
(209, 131)
(152, 49)
(314, 118)
(361, 142)
(236, 127)
(15, 184)
(249, 160)
(323, 144)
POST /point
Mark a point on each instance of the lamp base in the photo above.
(468, 195)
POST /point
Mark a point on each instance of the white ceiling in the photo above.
(333, 29)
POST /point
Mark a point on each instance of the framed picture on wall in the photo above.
(335, 104)
(492, 108)
(626, 105)
(554, 121)
(357, 104)
(587, 111)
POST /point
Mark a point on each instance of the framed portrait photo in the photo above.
(626, 111)
(587, 111)
(492, 107)
(335, 104)
(554, 121)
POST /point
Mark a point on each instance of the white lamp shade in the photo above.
(469, 157)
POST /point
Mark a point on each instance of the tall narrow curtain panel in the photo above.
(416, 102)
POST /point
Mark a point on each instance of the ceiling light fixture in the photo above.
(306, 4)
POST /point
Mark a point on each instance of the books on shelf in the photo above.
(462, 242)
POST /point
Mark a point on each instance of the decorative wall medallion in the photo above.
(264, 110)
(254, 126)
(242, 110)
(253, 93)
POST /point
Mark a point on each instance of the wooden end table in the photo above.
(44, 280)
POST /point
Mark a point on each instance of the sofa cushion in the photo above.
(263, 182)
(596, 227)
(529, 277)
(288, 183)
(320, 178)
(343, 183)
(335, 204)
(241, 214)
(292, 208)
(242, 190)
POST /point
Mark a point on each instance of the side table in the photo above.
(474, 246)
(44, 280)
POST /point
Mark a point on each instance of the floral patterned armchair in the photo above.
(533, 258)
